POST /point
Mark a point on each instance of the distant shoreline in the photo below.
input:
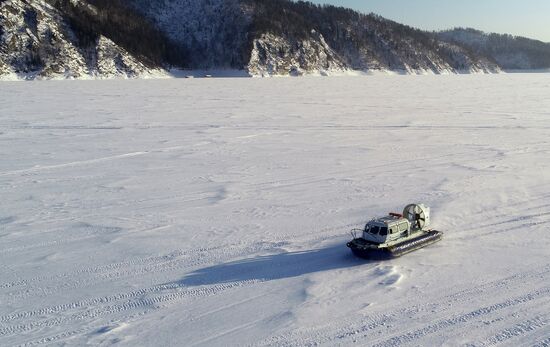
(527, 71)
(233, 73)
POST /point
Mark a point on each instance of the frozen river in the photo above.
(215, 212)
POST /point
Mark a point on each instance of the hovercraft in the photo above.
(395, 234)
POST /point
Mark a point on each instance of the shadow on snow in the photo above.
(277, 266)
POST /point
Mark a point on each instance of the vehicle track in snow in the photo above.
(147, 303)
(263, 185)
(413, 335)
(365, 328)
(107, 305)
(435, 161)
(176, 259)
(37, 169)
(103, 268)
(111, 309)
(146, 307)
(369, 329)
(182, 290)
(528, 216)
(518, 330)
(88, 231)
(544, 342)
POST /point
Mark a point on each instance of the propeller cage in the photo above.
(418, 215)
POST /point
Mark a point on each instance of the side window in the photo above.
(374, 230)
(384, 231)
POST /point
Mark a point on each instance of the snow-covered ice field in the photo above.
(215, 212)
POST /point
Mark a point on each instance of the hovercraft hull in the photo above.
(365, 249)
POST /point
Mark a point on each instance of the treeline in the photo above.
(220, 33)
(537, 52)
(123, 25)
(511, 52)
(282, 18)
(358, 38)
(214, 32)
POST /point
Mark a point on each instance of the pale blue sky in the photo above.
(530, 18)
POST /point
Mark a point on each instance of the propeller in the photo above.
(416, 214)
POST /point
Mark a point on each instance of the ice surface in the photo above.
(215, 212)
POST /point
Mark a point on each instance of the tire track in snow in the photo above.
(372, 325)
(329, 175)
(42, 244)
(154, 265)
(357, 333)
(495, 220)
(227, 252)
(67, 334)
(377, 127)
(329, 230)
(90, 161)
(517, 330)
(54, 338)
(223, 333)
(520, 218)
(272, 184)
(352, 329)
(89, 231)
(414, 335)
(107, 299)
(542, 343)
(71, 164)
(170, 297)
(135, 304)
(133, 300)
(512, 224)
(95, 269)
(506, 282)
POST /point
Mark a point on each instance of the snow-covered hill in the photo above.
(139, 38)
(280, 37)
(216, 212)
(213, 34)
(510, 52)
(37, 41)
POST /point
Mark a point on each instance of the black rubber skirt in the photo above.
(364, 249)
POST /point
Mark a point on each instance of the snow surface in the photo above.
(215, 212)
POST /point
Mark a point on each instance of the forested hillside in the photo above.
(63, 39)
(133, 38)
(282, 36)
(510, 52)
(123, 25)
(364, 41)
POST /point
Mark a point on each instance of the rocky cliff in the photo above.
(38, 42)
